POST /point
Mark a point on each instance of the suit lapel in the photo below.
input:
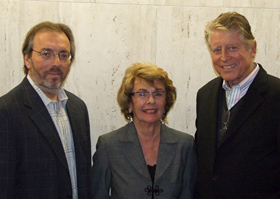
(134, 154)
(249, 103)
(76, 131)
(133, 150)
(210, 107)
(207, 107)
(166, 151)
(40, 116)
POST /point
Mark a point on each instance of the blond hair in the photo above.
(149, 73)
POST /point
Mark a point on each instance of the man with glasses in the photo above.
(45, 147)
(238, 118)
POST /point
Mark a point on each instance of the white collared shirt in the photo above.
(58, 113)
(234, 94)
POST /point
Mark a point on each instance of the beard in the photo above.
(50, 85)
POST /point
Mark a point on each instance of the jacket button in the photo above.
(215, 178)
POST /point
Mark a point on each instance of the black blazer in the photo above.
(247, 162)
(32, 160)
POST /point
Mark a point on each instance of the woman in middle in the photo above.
(145, 158)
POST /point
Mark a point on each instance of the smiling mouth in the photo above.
(229, 67)
(149, 111)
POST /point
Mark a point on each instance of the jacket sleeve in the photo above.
(101, 173)
(190, 173)
(7, 158)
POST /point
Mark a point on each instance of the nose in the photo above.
(56, 59)
(225, 55)
(151, 99)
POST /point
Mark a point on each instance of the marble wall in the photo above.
(112, 34)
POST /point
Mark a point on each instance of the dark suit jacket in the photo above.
(32, 160)
(247, 162)
(119, 164)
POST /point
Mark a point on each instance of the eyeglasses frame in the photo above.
(54, 55)
(149, 94)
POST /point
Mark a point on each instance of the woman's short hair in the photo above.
(149, 73)
(45, 27)
(230, 21)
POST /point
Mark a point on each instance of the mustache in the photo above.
(55, 70)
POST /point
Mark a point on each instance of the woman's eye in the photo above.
(142, 94)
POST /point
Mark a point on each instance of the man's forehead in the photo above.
(54, 37)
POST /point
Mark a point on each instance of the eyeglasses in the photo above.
(144, 95)
(225, 121)
(48, 54)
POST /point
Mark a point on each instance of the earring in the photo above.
(163, 118)
(130, 118)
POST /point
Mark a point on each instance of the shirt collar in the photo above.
(61, 95)
(245, 82)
